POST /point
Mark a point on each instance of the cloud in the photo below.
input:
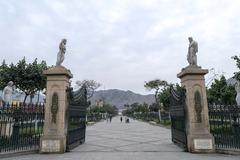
(122, 43)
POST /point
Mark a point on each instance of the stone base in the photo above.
(58, 70)
(201, 143)
(192, 70)
(50, 144)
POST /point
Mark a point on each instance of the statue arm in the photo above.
(196, 47)
(4, 90)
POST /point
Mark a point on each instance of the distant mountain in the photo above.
(119, 97)
(112, 96)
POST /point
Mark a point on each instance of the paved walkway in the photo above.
(121, 141)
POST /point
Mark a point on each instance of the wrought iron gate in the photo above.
(177, 110)
(76, 117)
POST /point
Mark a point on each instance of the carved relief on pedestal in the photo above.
(54, 107)
(198, 106)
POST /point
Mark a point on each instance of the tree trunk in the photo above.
(38, 97)
(26, 95)
(156, 98)
(31, 98)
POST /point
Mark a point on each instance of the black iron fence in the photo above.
(21, 126)
(225, 125)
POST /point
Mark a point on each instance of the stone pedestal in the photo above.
(55, 123)
(199, 138)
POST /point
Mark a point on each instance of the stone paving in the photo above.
(121, 141)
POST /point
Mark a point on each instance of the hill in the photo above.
(119, 97)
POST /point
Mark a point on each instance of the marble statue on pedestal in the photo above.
(237, 88)
(61, 53)
(7, 93)
(192, 50)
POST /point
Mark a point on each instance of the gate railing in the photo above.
(76, 117)
(76, 126)
(225, 125)
(21, 126)
(177, 110)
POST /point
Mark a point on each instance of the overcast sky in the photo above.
(122, 43)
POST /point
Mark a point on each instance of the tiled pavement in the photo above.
(121, 141)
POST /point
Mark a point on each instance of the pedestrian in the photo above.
(107, 118)
(121, 119)
(110, 118)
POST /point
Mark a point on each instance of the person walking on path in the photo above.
(121, 119)
(110, 118)
(107, 118)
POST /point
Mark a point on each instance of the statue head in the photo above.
(10, 83)
(64, 41)
(190, 39)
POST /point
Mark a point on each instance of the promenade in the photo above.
(120, 141)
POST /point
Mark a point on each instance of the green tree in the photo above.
(156, 85)
(164, 96)
(237, 74)
(106, 108)
(28, 78)
(153, 107)
(7, 73)
(110, 109)
(91, 86)
(220, 92)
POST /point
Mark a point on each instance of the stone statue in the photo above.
(1, 102)
(7, 92)
(192, 50)
(61, 53)
(237, 88)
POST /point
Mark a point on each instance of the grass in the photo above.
(31, 130)
(165, 122)
(224, 130)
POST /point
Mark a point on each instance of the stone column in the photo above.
(55, 123)
(199, 138)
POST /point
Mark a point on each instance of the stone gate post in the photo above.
(199, 138)
(55, 123)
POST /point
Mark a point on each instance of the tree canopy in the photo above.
(106, 108)
(91, 86)
(28, 77)
(156, 85)
(221, 93)
(237, 74)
